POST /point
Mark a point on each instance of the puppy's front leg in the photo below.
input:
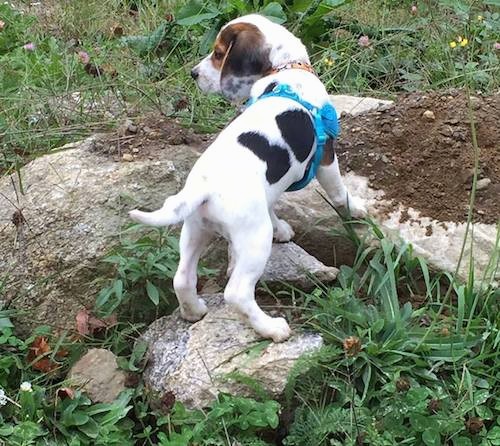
(331, 181)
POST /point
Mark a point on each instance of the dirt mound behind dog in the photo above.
(419, 151)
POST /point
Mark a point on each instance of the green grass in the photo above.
(389, 373)
(48, 98)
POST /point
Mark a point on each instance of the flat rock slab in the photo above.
(98, 375)
(354, 105)
(193, 360)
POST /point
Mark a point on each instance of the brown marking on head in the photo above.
(241, 55)
(328, 152)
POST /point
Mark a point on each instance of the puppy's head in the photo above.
(240, 56)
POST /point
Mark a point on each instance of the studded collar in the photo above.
(292, 65)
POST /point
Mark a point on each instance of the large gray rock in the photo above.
(73, 203)
(193, 360)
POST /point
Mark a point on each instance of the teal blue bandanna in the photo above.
(326, 125)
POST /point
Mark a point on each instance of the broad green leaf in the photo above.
(431, 437)
(6, 430)
(152, 292)
(461, 441)
(5, 322)
(274, 11)
(76, 418)
(484, 412)
(118, 289)
(494, 436)
(91, 428)
(335, 3)
(300, 5)
(420, 422)
(195, 12)
(103, 297)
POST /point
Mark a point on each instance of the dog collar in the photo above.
(290, 65)
(326, 125)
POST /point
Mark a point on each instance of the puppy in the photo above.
(233, 186)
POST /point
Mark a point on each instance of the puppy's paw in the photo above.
(353, 206)
(277, 329)
(357, 207)
(283, 232)
(193, 313)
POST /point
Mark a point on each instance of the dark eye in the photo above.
(218, 54)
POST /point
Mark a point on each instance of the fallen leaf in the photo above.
(82, 322)
(62, 353)
(39, 349)
(88, 324)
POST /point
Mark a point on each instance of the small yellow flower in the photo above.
(464, 42)
(480, 18)
(453, 44)
(328, 61)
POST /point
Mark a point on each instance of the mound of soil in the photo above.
(419, 151)
(143, 138)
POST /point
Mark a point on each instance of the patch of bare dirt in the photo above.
(419, 151)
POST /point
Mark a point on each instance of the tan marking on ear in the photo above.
(219, 54)
(227, 37)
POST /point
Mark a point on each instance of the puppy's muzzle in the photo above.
(195, 73)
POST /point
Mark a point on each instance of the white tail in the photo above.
(175, 209)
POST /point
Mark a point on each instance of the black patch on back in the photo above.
(269, 88)
(276, 157)
(297, 130)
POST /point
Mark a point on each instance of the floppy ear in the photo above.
(246, 60)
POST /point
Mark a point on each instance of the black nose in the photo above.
(194, 74)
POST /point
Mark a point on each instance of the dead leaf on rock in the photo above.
(82, 322)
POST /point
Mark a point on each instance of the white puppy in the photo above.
(233, 186)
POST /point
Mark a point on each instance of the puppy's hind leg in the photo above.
(282, 231)
(192, 242)
(252, 249)
(331, 181)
